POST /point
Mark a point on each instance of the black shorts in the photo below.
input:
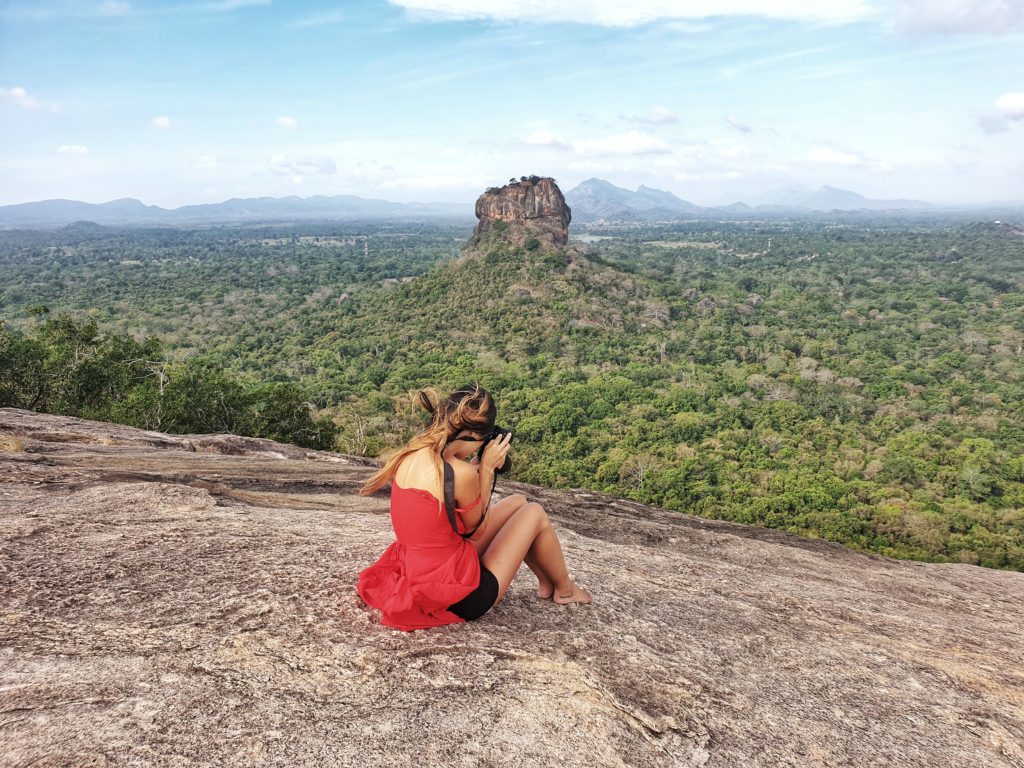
(479, 601)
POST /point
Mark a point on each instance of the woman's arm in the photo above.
(492, 457)
(484, 480)
(486, 484)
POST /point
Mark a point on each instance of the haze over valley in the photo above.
(591, 200)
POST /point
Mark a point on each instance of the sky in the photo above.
(195, 101)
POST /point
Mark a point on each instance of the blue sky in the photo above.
(186, 102)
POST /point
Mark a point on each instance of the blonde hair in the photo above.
(470, 407)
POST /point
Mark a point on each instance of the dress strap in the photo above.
(449, 500)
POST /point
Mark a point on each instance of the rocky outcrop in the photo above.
(190, 600)
(533, 205)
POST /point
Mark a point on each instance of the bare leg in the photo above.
(529, 531)
(545, 584)
(500, 513)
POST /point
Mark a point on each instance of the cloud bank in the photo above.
(1011, 105)
(313, 165)
(20, 97)
(620, 144)
(657, 116)
(926, 17)
(736, 123)
(614, 13)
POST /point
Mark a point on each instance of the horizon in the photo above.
(198, 102)
(469, 202)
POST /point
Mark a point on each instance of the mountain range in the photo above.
(591, 200)
(598, 199)
(129, 211)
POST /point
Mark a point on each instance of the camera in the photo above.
(498, 432)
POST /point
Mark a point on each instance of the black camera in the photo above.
(498, 432)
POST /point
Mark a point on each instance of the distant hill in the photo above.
(592, 200)
(600, 199)
(56, 213)
(830, 199)
(128, 211)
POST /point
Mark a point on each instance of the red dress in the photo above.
(427, 569)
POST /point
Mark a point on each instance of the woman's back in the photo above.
(428, 567)
(416, 478)
(419, 471)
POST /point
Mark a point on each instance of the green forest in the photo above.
(854, 379)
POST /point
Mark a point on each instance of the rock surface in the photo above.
(189, 601)
(532, 206)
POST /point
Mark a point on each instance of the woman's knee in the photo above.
(517, 500)
(536, 514)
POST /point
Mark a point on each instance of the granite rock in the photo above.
(533, 206)
(190, 601)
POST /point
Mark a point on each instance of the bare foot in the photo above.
(545, 589)
(577, 595)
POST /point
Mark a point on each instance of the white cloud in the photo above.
(114, 8)
(313, 165)
(161, 121)
(590, 166)
(630, 143)
(690, 27)
(206, 163)
(924, 17)
(993, 123)
(435, 182)
(321, 19)
(708, 176)
(735, 151)
(80, 9)
(72, 149)
(19, 96)
(622, 144)
(545, 138)
(833, 156)
(222, 6)
(288, 122)
(657, 116)
(1011, 105)
(662, 116)
(615, 13)
(735, 122)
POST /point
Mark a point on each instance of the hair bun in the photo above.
(427, 398)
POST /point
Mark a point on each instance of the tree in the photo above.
(636, 469)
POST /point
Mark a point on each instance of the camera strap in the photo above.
(449, 499)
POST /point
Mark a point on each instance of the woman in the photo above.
(435, 574)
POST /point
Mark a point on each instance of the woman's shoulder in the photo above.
(414, 457)
(416, 470)
(463, 469)
(467, 482)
